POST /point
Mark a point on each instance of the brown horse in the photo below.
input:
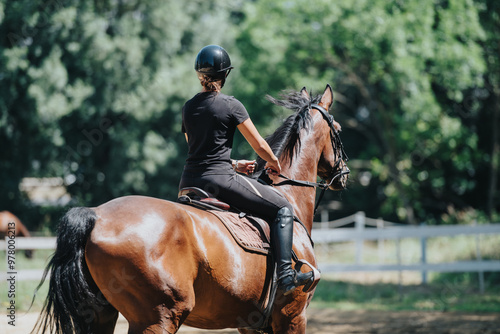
(162, 264)
(8, 223)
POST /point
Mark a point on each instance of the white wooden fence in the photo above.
(329, 233)
(20, 244)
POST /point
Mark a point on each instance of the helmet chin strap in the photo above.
(223, 80)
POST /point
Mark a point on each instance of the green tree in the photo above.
(485, 104)
(399, 68)
(93, 92)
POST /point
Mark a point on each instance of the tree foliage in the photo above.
(402, 71)
(92, 92)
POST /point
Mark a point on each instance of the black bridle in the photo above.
(336, 172)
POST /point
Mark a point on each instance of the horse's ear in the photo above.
(327, 98)
(304, 93)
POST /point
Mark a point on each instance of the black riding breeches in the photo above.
(246, 194)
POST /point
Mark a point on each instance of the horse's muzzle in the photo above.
(340, 179)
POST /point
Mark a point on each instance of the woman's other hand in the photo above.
(245, 166)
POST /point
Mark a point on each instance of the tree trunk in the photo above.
(495, 152)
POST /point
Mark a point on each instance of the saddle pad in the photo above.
(251, 233)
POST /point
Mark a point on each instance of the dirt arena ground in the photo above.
(328, 321)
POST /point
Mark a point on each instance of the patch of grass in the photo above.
(24, 290)
(39, 260)
(24, 295)
(447, 296)
(470, 278)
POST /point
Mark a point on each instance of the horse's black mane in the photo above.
(286, 139)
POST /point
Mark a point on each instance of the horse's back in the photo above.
(138, 215)
(10, 222)
(155, 225)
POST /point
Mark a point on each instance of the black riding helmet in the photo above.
(213, 60)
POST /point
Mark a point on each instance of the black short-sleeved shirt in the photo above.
(210, 120)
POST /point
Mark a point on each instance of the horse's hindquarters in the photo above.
(157, 262)
(140, 257)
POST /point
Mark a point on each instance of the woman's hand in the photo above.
(245, 166)
(273, 167)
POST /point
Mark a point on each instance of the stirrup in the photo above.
(309, 279)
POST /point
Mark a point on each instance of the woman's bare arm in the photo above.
(260, 146)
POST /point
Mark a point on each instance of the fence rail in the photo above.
(356, 234)
(21, 243)
(325, 234)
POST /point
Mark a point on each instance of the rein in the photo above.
(337, 146)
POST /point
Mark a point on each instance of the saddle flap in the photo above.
(250, 233)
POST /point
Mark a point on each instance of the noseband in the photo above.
(337, 147)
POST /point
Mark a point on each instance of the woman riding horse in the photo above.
(164, 264)
(209, 121)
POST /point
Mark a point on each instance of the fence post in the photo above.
(359, 224)
(324, 219)
(380, 242)
(6, 259)
(479, 258)
(324, 226)
(423, 259)
(400, 272)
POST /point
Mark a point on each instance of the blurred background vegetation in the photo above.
(92, 91)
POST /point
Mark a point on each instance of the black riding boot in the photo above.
(282, 239)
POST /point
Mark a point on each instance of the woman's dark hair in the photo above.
(210, 84)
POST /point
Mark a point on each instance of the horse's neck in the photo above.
(305, 168)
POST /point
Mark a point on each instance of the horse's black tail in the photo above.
(71, 303)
